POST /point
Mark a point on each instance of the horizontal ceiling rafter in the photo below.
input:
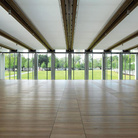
(133, 47)
(69, 15)
(121, 13)
(124, 40)
(15, 40)
(7, 47)
(11, 7)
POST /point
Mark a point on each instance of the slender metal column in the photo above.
(53, 66)
(103, 66)
(2, 66)
(136, 66)
(36, 66)
(86, 66)
(69, 66)
(120, 67)
(19, 66)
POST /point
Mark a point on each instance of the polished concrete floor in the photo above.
(68, 109)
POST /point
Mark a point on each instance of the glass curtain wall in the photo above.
(128, 67)
(11, 66)
(111, 67)
(27, 72)
(44, 66)
(61, 66)
(78, 66)
(108, 66)
(95, 66)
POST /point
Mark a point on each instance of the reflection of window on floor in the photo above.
(44, 66)
(27, 66)
(11, 66)
(61, 66)
(111, 66)
(95, 66)
(128, 67)
(78, 67)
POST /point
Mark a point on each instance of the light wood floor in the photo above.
(68, 109)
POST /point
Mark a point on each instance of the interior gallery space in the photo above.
(69, 69)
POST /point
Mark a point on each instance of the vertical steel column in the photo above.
(69, 66)
(111, 66)
(19, 66)
(35, 66)
(136, 66)
(53, 66)
(86, 66)
(2, 66)
(120, 67)
(103, 66)
(92, 66)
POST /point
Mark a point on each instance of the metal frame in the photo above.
(19, 67)
(2, 66)
(103, 66)
(136, 67)
(120, 67)
(86, 66)
(70, 64)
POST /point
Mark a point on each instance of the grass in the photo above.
(62, 75)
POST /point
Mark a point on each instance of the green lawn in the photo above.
(62, 75)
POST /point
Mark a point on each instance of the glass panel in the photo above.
(61, 66)
(108, 67)
(44, 66)
(78, 67)
(115, 66)
(128, 67)
(97, 66)
(132, 67)
(27, 66)
(90, 66)
(11, 66)
(7, 66)
(111, 67)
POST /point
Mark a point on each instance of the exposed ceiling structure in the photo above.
(68, 24)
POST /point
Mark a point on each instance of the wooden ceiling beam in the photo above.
(127, 7)
(133, 47)
(7, 47)
(69, 8)
(124, 40)
(13, 9)
(13, 39)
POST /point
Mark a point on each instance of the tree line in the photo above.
(45, 62)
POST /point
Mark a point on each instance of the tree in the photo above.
(23, 62)
(43, 65)
(10, 61)
(43, 58)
